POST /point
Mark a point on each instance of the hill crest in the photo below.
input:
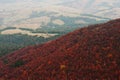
(87, 53)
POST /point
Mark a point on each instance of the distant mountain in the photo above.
(88, 53)
(28, 16)
(20, 13)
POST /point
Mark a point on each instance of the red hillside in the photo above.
(91, 53)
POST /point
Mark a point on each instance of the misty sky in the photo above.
(46, 1)
(97, 7)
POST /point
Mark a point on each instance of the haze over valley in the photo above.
(36, 15)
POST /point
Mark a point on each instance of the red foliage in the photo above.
(86, 54)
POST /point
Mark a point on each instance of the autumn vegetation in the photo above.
(89, 53)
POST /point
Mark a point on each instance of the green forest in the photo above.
(10, 43)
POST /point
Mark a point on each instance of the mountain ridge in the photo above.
(88, 53)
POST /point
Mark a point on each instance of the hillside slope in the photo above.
(90, 53)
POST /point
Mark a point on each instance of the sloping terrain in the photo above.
(90, 53)
(42, 13)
